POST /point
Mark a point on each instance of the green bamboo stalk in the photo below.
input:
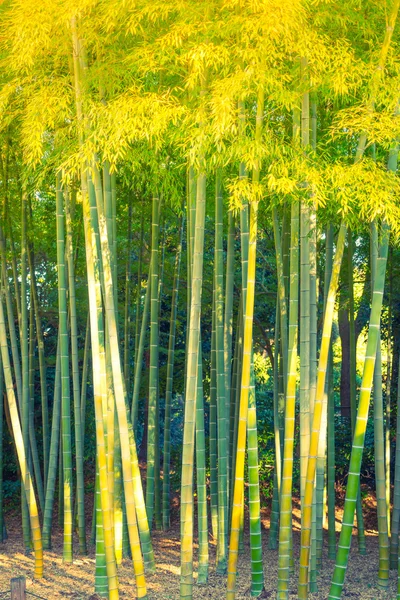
(361, 423)
(274, 522)
(42, 364)
(394, 539)
(213, 430)
(140, 352)
(17, 293)
(19, 444)
(104, 199)
(257, 574)
(222, 429)
(34, 454)
(127, 315)
(235, 401)
(91, 228)
(60, 479)
(280, 369)
(99, 384)
(285, 529)
(228, 327)
(234, 393)
(80, 484)
(131, 475)
(157, 469)
(186, 586)
(327, 431)
(379, 454)
(313, 274)
(65, 385)
(316, 422)
(24, 359)
(317, 534)
(304, 342)
(282, 292)
(53, 454)
(238, 493)
(109, 424)
(85, 367)
(100, 577)
(202, 576)
(304, 295)
(153, 372)
(388, 396)
(320, 482)
(190, 219)
(139, 288)
(317, 521)
(169, 383)
(114, 246)
(353, 389)
(244, 243)
(118, 500)
(10, 319)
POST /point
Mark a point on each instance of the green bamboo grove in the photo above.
(199, 294)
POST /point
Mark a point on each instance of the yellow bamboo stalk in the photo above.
(238, 490)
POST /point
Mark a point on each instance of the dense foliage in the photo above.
(199, 225)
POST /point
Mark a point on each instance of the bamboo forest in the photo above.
(199, 299)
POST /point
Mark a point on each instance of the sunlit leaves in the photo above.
(164, 81)
(243, 190)
(365, 191)
(380, 126)
(130, 117)
(47, 109)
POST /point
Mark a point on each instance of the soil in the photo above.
(76, 581)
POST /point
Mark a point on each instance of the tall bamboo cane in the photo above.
(222, 430)
(132, 482)
(238, 492)
(361, 423)
(169, 383)
(153, 423)
(243, 424)
(316, 422)
(42, 365)
(53, 454)
(379, 454)
(19, 444)
(80, 484)
(191, 394)
(285, 530)
(65, 385)
(213, 430)
(353, 390)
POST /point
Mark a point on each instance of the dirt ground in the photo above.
(76, 581)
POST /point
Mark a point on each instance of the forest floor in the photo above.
(76, 581)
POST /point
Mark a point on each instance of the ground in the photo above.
(76, 581)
